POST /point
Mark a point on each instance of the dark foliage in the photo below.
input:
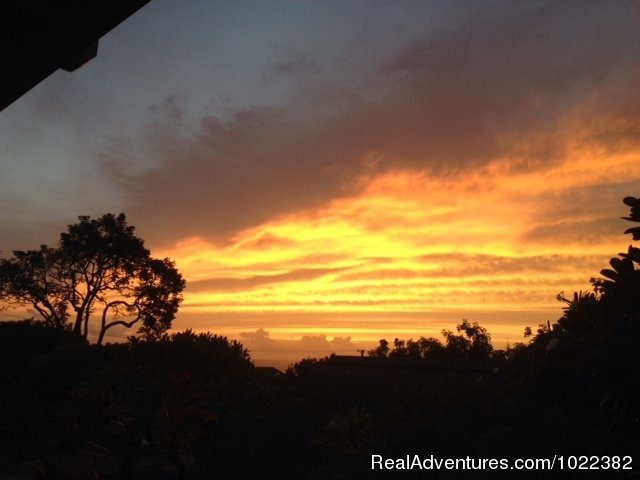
(194, 406)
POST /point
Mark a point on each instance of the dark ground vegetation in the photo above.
(194, 406)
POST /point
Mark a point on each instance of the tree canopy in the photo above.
(472, 341)
(100, 272)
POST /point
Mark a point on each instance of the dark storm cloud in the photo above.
(234, 173)
(518, 80)
(511, 83)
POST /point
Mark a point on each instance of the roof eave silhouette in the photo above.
(39, 37)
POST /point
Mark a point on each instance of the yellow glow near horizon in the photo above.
(412, 242)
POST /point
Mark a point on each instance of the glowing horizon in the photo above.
(412, 243)
(319, 172)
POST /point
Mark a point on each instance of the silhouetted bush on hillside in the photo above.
(22, 342)
(592, 352)
(145, 401)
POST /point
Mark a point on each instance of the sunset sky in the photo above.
(329, 173)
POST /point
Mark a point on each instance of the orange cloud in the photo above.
(478, 171)
(493, 239)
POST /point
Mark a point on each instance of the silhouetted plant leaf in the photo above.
(632, 202)
(632, 254)
(622, 265)
(634, 231)
(607, 272)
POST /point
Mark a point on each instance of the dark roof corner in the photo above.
(75, 61)
(37, 37)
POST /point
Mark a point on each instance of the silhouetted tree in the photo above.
(99, 269)
(472, 340)
(29, 278)
(416, 349)
(382, 350)
(429, 347)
